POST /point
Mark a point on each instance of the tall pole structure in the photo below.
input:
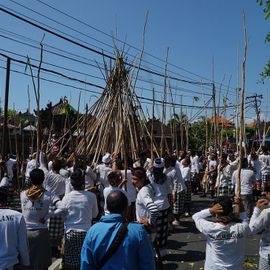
(257, 102)
(5, 130)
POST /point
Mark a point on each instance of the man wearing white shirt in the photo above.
(225, 247)
(247, 183)
(35, 203)
(81, 206)
(13, 237)
(260, 223)
(194, 169)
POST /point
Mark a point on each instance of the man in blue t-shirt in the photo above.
(135, 250)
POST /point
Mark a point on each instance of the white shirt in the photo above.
(5, 182)
(31, 165)
(9, 165)
(50, 163)
(55, 183)
(145, 204)
(247, 182)
(81, 208)
(225, 247)
(265, 159)
(90, 177)
(257, 165)
(211, 165)
(160, 193)
(13, 239)
(194, 164)
(260, 222)
(107, 191)
(34, 211)
(103, 170)
(224, 176)
(131, 190)
(185, 172)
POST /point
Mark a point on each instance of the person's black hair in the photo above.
(188, 161)
(117, 202)
(244, 163)
(37, 176)
(167, 160)
(113, 178)
(143, 154)
(79, 164)
(224, 156)
(226, 203)
(3, 196)
(173, 161)
(77, 179)
(119, 164)
(265, 149)
(56, 165)
(129, 162)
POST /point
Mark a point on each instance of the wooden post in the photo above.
(84, 135)
(4, 135)
(241, 133)
(152, 128)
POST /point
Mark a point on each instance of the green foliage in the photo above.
(266, 10)
(250, 263)
(250, 132)
(197, 137)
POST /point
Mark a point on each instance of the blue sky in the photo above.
(197, 33)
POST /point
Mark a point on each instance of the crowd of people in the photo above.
(116, 214)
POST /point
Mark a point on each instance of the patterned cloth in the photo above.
(188, 192)
(56, 228)
(39, 248)
(178, 206)
(162, 224)
(72, 249)
(264, 264)
(265, 179)
(223, 190)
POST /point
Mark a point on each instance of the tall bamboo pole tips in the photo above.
(5, 130)
(152, 127)
(242, 112)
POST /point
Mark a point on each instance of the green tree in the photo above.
(266, 10)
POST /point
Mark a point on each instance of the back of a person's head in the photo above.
(3, 196)
(114, 178)
(56, 165)
(139, 172)
(37, 176)
(226, 203)
(77, 179)
(265, 150)
(130, 162)
(244, 163)
(117, 202)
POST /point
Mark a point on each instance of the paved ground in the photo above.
(187, 245)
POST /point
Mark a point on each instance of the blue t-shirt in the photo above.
(134, 253)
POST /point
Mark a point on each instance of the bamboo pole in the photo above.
(242, 112)
(37, 97)
(163, 105)
(152, 127)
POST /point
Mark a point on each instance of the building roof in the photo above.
(221, 121)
